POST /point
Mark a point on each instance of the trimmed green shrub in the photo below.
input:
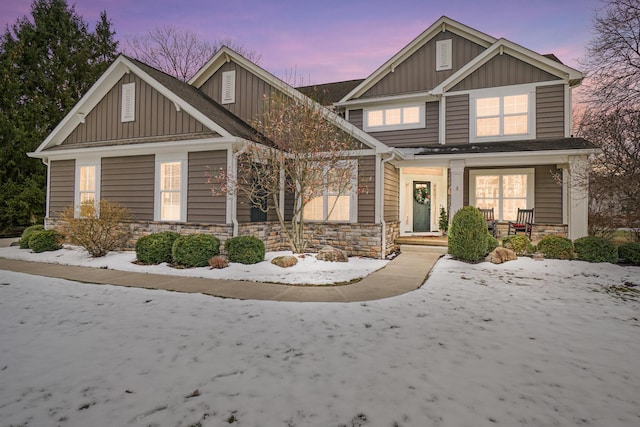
(492, 243)
(519, 243)
(45, 240)
(596, 249)
(556, 247)
(629, 253)
(156, 248)
(468, 235)
(244, 249)
(195, 250)
(27, 233)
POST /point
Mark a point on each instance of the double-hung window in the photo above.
(394, 118)
(171, 177)
(87, 186)
(504, 190)
(502, 115)
(338, 201)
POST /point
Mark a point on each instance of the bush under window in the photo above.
(244, 249)
(596, 249)
(556, 247)
(195, 250)
(156, 248)
(468, 235)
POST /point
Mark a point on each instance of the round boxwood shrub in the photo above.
(492, 243)
(596, 249)
(629, 253)
(519, 243)
(156, 248)
(27, 233)
(195, 250)
(556, 247)
(244, 249)
(468, 235)
(45, 240)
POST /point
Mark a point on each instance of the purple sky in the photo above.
(325, 41)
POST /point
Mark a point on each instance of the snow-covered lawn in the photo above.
(526, 343)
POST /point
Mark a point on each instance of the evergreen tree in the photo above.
(47, 62)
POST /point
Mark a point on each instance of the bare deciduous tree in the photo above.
(180, 53)
(302, 153)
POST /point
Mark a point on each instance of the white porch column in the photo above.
(456, 168)
(578, 197)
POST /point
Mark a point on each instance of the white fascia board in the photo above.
(205, 144)
(504, 46)
(442, 24)
(207, 70)
(389, 100)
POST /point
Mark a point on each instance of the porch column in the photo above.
(578, 197)
(456, 186)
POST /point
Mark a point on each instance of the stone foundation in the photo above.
(538, 232)
(393, 232)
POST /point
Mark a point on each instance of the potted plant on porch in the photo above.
(443, 221)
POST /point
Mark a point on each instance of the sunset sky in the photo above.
(325, 41)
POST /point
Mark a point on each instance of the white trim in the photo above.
(128, 103)
(352, 193)
(228, 89)
(182, 158)
(421, 124)
(385, 100)
(568, 116)
(530, 172)
(444, 55)
(442, 121)
(88, 161)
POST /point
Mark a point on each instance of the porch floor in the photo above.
(423, 240)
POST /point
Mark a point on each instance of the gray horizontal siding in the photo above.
(202, 205)
(62, 175)
(457, 119)
(391, 193)
(367, 182)
(550, 111)
(130, 182)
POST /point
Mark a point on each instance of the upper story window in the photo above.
(393, 118)
(501, 115)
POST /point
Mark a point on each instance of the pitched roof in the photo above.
(502, 147)
(328, 93)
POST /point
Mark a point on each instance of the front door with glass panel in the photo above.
(421, 206)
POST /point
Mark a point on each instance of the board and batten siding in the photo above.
(155, 115)
(547, 193)
(550, 111)
(130, 181)
(503, 70)
(62, 176)
(202, 205)
(457, 119)
(391, 193)
(418, 72)
(406, 137)
(367, 183)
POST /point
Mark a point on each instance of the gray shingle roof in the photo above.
(328, 93)
(502, 147)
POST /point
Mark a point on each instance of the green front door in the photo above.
(421, 206)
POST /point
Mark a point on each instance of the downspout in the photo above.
(47, 162)
(381, 203)
(234, 199)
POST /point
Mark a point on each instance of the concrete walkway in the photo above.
(405, 273)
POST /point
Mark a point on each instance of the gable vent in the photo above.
(128, 102)
(228, 87)
(443, 55)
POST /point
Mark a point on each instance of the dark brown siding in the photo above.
(548, 193)
(367, 182)
(155, 115)
(418, 72)
(457, 128)
(391, 193)
(550, 111)
(503, 70)
(130, 182)
(202, 205)
(250, 91)
(62, 175)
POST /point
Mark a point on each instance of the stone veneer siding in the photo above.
(393, 232)
(539, 230)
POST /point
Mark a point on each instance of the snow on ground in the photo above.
(526, 343)
(308, 270)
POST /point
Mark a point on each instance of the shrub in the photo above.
(195, 250)
(218, 262)
(630, 253)
(556, 247)
(519, 243)
(244, 249)
(97, 230)
(492, 243)
(45, 240)
(156, 248)
(596, 249)
(27, 233)
(468, 235)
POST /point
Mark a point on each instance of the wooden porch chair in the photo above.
(523, 223)
(492, 224)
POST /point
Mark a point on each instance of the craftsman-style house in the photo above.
(455, 118)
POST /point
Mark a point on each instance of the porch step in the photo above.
(423, 240)
(424, 249)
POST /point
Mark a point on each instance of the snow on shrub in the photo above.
(596, 249)
(468, 235)
(195, 250)
(556, 247)
(156, 248)
(244, 249)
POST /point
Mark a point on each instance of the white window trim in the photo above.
(95, 162)
(171, 158)
(502, 92)
(128, 103)
(228, 93)
(530, 172)
(444, 47)
(419, 125)
(353, 197)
